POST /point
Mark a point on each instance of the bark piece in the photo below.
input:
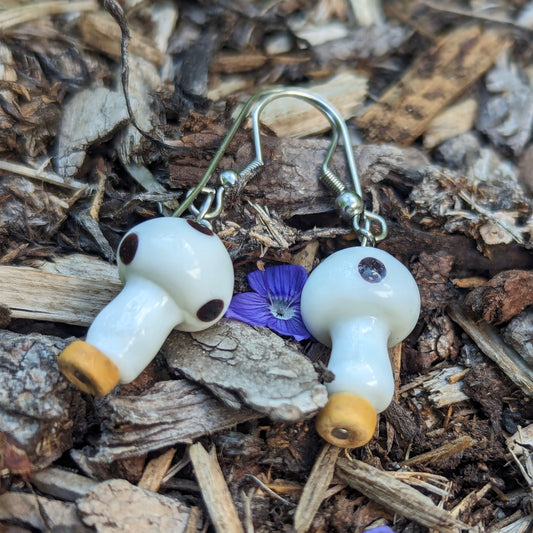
(434, 80)
(62, 484)
(494, 348)
(354, 43)
(519, 335)
(215, 492)
(432, 273)
(396, 496)
(37, 405)
(101, 111)
(39, 513)
(170, 412)
(502, 297)
(289, 184)
(116, 506)
(248, 367)
(506, 115)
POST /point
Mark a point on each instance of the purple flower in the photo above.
(380, 529)
(275, 302)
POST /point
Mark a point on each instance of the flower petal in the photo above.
(251, 308)
(293, 327)
(281, 281)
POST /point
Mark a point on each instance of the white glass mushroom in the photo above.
(177, 274)
(359, 301)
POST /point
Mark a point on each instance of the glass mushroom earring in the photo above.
(360, 301)
(178, 274)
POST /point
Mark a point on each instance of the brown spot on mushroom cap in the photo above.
(372, 269)
(128, 248)
(210, 310)
(200, 227)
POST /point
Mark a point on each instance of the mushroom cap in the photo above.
(360, 281)
(187, 260)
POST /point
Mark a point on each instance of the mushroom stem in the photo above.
(131, 329)
(360, 360)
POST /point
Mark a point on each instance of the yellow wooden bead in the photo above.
(88, 368)
(347, 421)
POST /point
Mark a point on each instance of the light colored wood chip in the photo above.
(289, 117)
(456, 119)
(443, 452)
(445, 386)
(35, 10)
(119, 507)
(489, 342)
(101, 32)
(468, 502)
(435, 79)
(155, 471)
(316, 487)
(396, 496)
(215, 492)
(32, 294)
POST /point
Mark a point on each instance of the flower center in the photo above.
(281, 309)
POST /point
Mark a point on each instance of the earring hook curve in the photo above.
(351, 203)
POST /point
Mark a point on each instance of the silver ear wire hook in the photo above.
(370, 227)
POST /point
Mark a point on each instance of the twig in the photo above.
(443, 452)
(215, 492)
(266, 488)
(396, 495)
(315, 489)
(38, 174)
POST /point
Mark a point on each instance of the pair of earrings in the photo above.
(178, 274)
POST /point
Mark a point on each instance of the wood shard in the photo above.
(396, 495)
(167, 413)
(489, 342)
(71, 299)
(155, 471)
(101, 32)
(443, 452)
(215, 492)
(446, 386)
(315, 489)
(289, 117)
(435, 79)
